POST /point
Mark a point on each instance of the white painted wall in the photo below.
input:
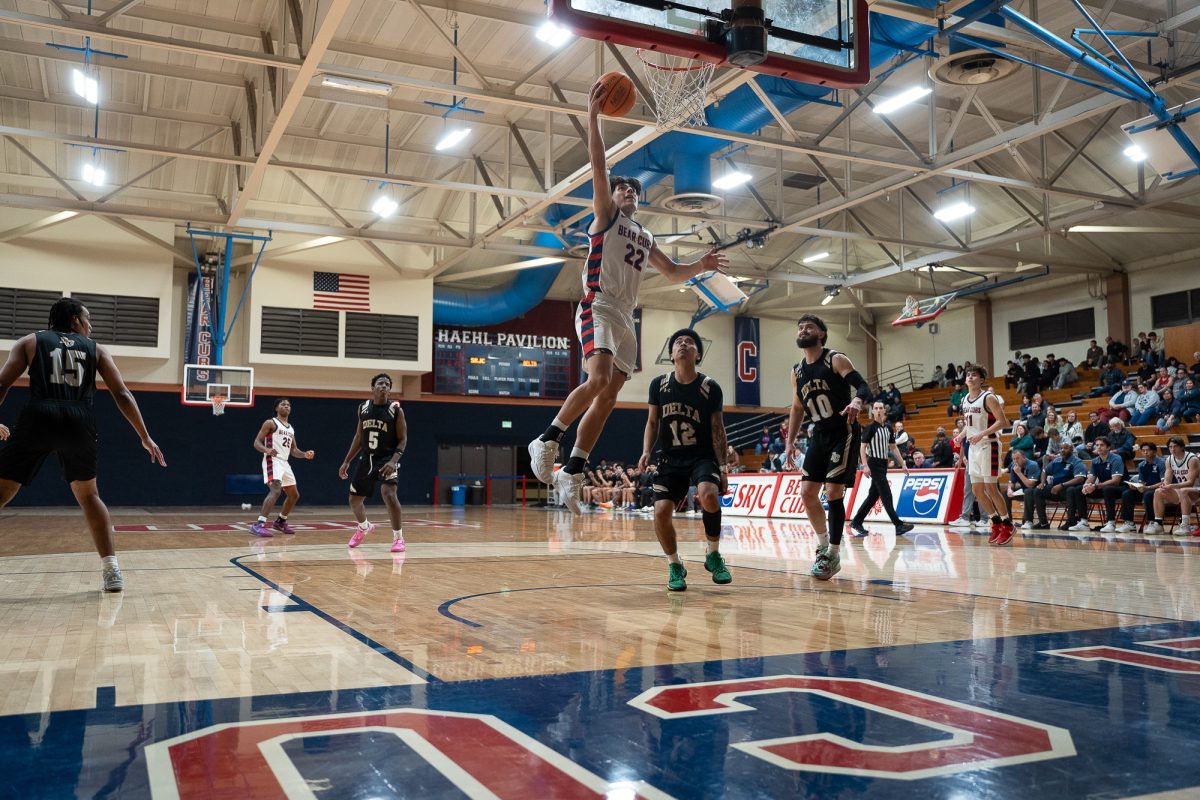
(86, 254)
(1039, 299)
(907, 344)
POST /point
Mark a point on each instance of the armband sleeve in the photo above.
(861, 389)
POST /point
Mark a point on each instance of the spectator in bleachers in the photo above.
(764, 441)
(1026, 405)
(1094, 356)
(1141, 348)
(1117, 352)
(1110, 380)
(646, 486)
(1177, 385)
(956, 439)
(1012, 377)
(953, 376)
(1033, 373)
(1096, 427)
(918, 461)
(1195, 367)
(937, 380)
(1157, 349)
(1052, 421)
(894, 403)
(1071, 430)
(904, 441)
(732, 459)
(778, 445)
(1050, 446)
(1162, 379)
(1067, 376)
(1121, 441)
(1167, 405)
(1036, 418)
(1145, 406)
(1121, 404)
(1189, 400)
(956, 398)
(1065, 471)
(1023, 477)
(1021, 440)
(1141, 487)
(942, 449)
(1146, 373)
(1106, 480)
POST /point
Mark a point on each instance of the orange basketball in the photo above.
(619, 94)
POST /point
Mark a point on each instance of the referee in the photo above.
(877, 439)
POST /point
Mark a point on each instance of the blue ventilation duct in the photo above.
(684, 155)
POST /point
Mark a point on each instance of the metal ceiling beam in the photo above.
(116, 11)
(1079, 148)
(37, 225)
(85, 29)
(958, 159)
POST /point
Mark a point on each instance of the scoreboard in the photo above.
(493, 371)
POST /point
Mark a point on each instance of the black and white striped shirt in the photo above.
(878, 437)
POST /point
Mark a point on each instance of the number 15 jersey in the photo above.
(685, 410)
(63, 367)
(617, 257)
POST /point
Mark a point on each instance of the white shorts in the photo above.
(276, 469)
(983, 460)
(602, 327)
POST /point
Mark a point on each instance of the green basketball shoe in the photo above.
(716, 565)
(827, 564)
(675, 580)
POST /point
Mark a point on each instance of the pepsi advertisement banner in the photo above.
(924, 495)
(745, 365)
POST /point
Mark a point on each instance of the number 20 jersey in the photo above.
(685, 411)
(617, 257)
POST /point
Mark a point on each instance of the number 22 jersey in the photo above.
(617, 257)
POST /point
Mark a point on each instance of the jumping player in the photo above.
(620, 249)
(984, 414)
(686, 424)
(380, 436)
(276, 440)
(821, 387)
(63, 362)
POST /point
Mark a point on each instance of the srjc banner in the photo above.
(745, 364)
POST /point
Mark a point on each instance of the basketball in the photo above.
(619, 94)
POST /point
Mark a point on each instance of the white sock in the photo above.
(823, 539)
(397, 535)
(364, 525)
(261, 518)
(558, 423)
(108, 561)
(710, 546)
(674, 558)
(580, 452)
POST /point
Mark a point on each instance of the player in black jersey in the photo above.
(63, 363)
(380, 436)
(829, 392)
(685, 422)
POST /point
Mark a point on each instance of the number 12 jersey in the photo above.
(685, 410)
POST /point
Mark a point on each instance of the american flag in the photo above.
(338, 290)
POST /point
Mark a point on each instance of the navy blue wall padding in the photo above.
(676, 153)
(203, 451)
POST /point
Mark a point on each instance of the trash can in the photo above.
(475, 494)
(458, 495)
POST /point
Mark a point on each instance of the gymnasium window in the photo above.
(24, 311)
(122, 320)
(299, 332)
(389, 336)
(1070, 326)
(1176, 308)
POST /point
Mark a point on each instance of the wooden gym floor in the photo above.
(524, 653)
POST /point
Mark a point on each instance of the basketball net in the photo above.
(679, 86)
(218, 404)
(910, 305)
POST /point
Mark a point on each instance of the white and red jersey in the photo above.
(1179, 469)
(976, 414)
(281, 440)
(617, 257)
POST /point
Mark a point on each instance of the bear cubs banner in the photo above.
(745, 364)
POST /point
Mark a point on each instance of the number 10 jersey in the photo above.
(685, 410)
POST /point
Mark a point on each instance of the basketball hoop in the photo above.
(918, 312)
(679, 86)
(218, 404)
